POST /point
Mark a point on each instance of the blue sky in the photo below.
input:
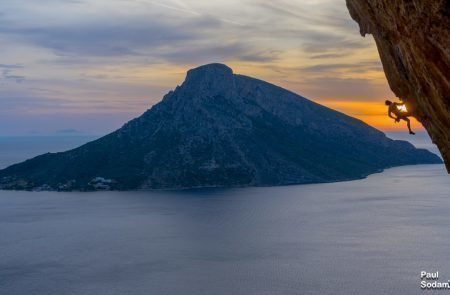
(91, 65)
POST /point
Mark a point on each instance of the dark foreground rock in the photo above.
(413, 38)
(221, 129)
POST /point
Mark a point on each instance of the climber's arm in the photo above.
(396, 118)
(390, 115)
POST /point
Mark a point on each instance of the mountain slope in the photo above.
(221, 129)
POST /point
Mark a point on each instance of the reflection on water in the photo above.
(372, 236)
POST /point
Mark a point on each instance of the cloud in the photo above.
(217, 53)
(328, 55)
(172, 35)
(4, 66)
(6, 73)
(343, 89)
(311, 14)
(14, 103)
(111, 56)
(99, 39)
(16, 78)
(187, 41)
(361, 67)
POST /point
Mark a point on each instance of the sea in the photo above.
(370, 236)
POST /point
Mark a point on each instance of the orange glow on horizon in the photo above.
(373, 113)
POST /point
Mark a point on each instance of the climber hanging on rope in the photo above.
(400, 112)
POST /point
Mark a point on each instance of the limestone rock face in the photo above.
(413, 39)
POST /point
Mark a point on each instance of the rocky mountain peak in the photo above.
(210, 80)
(208, 70)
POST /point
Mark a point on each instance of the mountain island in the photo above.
(220, 129)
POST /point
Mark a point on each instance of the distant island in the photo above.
(219, 129)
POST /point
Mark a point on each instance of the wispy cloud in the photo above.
(327, 69)
(98, 39)
(4, 66)
(6, 73)
(121, 56)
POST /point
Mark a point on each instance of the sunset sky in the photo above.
(91, 65)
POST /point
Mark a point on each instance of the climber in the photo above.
(400, 112)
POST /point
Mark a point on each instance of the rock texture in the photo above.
(413, 39)
(221, 129)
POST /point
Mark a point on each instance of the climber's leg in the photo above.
(408, 123)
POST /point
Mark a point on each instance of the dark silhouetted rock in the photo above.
(413, 38)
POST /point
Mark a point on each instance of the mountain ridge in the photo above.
(221, 129)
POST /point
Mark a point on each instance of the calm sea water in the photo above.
(372, 236)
